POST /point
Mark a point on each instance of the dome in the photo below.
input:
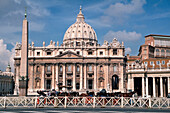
(80, 31)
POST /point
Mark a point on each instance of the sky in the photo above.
(127, 20)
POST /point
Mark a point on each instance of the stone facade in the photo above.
(78, 64)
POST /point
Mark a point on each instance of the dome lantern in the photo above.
(80, 16)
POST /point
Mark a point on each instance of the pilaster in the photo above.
(81, 77)
(85, 76)
(143, 86)
(43, 77)
(161, 87)
(95, 77)
(57, 88)
(154, 88)
(74, 77)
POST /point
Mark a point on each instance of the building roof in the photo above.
(80, 30)
(159, 36)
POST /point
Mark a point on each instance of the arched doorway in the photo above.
(115, 82)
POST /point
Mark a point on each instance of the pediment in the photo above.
(69, 54)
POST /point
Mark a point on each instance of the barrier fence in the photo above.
(7, 102)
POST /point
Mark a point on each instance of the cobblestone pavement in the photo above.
(82, 110)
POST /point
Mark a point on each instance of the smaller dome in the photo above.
(80, 30)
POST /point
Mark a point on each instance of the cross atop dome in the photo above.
(25, 12)
(80, 10)
(80, 16)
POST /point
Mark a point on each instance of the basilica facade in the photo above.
(78, 64)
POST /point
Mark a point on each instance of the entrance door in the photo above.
(138, 85)
(90, 84)
(48, 84)
(115, 82)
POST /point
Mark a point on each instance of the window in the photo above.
(167, 52)
(69, 82)
(60, 86)
(151, 62)
(48, 53)
(90, 53)
(78, 69)
(69, 67)
(163, 62)
(101, 68)
(38, 68)
(90, 67)
(48, 68)
(162, 52)
(77, 75)
(48, 85)
(101, 52)
(77, 86)
(77, 43)
(38, 53)
(115, 68)
(61, 52)
(114, 51)
(78, 52)
(38, 84)
(61, 68)
(157, 52)
(157, 62)
(90, 84)
(146, 63)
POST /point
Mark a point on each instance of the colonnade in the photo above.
(159, 87)
(83, 76)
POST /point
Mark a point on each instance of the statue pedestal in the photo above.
(22, 88)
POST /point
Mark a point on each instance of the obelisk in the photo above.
(23, 82)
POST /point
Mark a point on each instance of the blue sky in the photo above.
(126, 20)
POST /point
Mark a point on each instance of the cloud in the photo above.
(122, 35)
(123, 9)
(116, 12)
(128, 50)
(36, 26)
(17, 1)
(37, 9)
(9, 29)
(6, 56)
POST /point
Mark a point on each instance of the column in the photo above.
(53, 76)
(147, 86)
(74, 77)
(57, 88)
(95, 76)
(43, 77)
(143, 86)
(132, 80)
(154, 88)
(31, 78)
(161, 87)
(64, 76)
(168, 85)
(106, 77)
(85, 76)
(81, 77)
